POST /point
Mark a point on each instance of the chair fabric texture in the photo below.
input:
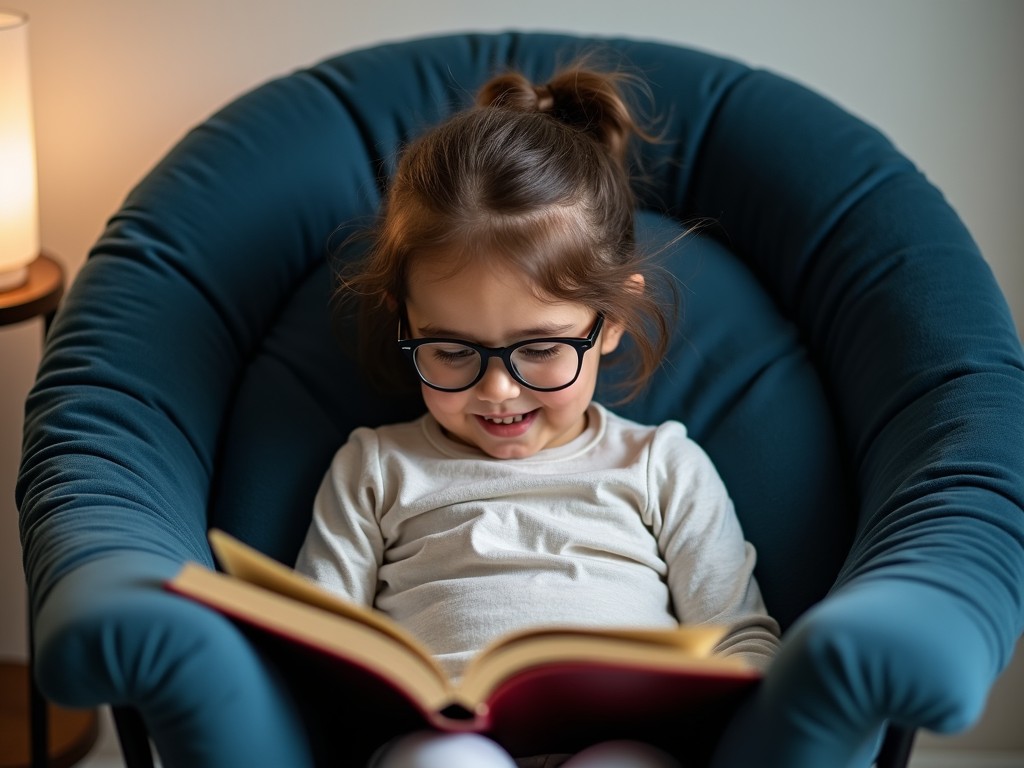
(843, 353)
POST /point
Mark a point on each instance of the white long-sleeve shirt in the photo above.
(627, 525)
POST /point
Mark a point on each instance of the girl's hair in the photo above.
(535, 177)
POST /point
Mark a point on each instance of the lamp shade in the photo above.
(19, 215)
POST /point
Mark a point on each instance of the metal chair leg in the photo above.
(896, 747)
(39, 714)
(134, 739)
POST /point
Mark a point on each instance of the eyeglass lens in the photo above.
(546, 365)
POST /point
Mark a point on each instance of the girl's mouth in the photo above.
(504, 419)
(512, 425)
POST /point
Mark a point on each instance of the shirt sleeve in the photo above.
(710, 564)
(344, 546)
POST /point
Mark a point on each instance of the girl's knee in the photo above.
(427, 749)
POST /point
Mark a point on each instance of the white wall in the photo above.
(116, 82)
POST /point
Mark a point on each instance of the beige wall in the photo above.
(116, 82)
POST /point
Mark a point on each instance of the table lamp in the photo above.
(30, 285)
(19, 214)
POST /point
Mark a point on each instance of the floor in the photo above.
(108, 755)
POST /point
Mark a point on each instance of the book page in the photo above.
(696, 640)
(681, 649)
(310, 626)
(251, 565)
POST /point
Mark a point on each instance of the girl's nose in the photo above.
(497, 384)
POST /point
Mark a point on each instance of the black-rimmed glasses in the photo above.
(544, 365)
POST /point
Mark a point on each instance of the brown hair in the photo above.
(536, 176)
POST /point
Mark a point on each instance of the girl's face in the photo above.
(496, 309)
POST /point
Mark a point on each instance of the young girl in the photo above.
(504, 265)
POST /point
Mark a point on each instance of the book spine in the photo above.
(457, 718)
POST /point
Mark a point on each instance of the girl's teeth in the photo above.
(506, 420)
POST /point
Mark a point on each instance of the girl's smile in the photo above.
(502, 425)
(498, 415)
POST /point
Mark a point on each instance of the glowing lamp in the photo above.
(19, 213)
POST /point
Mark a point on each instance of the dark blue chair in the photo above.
(843, 354)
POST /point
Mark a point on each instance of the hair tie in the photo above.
(545, 99)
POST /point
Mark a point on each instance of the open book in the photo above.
(566, 679)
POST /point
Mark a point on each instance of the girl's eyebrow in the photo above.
(537, 332)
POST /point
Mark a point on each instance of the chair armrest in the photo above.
(108, 633)
(880, 650)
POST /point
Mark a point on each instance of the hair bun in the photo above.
(584, 99)
(514, 91)
(592, 102)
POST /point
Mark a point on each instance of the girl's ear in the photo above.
(611, 335)
(391, 303)
(636, 283)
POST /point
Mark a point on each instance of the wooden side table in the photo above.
(27, 721)
(72, 732)
(40, 296)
